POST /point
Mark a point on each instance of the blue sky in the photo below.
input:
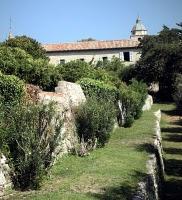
(52, 21)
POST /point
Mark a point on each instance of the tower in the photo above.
(10, 34)
(138, 31)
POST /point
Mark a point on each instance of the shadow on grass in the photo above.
(172, 130)
(177, 122)
(124, 191)
(173, 138)
(149, 148)
(173, 167)
(173, 190)
(172, 151)
(171, 112)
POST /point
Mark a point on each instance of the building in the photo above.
(93, 51)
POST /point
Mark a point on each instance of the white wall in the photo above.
(97, 55)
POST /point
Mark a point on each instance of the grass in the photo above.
(109, 173)
(171, 127)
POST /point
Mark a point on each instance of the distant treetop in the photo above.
(87, 40)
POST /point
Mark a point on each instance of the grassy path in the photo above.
(110, 173)
(171, 128)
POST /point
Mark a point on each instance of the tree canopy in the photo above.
(28, 44)
(161, 58)
(16, 61)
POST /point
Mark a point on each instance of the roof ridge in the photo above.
(80, 42)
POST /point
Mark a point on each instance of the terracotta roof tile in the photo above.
(91, 45)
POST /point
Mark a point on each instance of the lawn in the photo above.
(109, 173)
(171, 127)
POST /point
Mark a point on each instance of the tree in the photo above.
(75, 70)
(161, 59)
(87, 40)
(15, 61)
(28, 44)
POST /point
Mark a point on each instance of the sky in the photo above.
(55, 21)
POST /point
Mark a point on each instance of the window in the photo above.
(126, 56)
(104, 59)
(62, 61)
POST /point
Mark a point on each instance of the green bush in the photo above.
(28, 135)
(99, 89)
(15, 61)
(132, 99)
(75, 70)
(141, 89)
(12, 89)
(101, 75)
(95, 120)
(177, 96)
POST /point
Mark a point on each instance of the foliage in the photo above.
(101, 75)
(87, 40)
(29, 134)
(161, 59)
(95, 121)
(29, 45)
(177, 96)
(132, 99)
(12, 89)
(75, 70)
(15, 61)
(128, 73)
(103, 165)
(115, 69)
(99, 89)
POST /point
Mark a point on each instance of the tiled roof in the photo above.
(91, 45)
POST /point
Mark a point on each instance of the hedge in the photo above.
(99, 89)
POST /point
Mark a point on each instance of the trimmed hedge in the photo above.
(99, 89)
(132, 98)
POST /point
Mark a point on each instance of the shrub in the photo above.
(75, 70)
(95, 121)
(12, 89)
(132, 98)
(177, 96)
(101, 75)
(99, 89)
(141, 89)
(29, 135)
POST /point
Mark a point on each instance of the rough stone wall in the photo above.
(5, 180)
(150, 188)
(68, 96)
(148, 103)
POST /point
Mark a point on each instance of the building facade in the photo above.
(93, 51)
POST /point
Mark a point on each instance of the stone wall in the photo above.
(151, 187)
(68, 97)
(5, 180)
(148, 103)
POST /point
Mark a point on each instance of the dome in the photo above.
(139, 28)
(138, 31)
